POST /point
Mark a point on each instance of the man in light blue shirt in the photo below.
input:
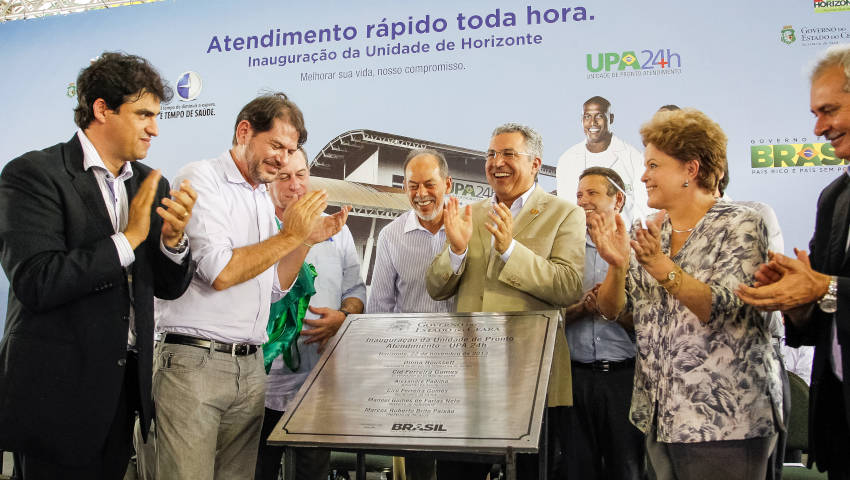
(405, 249)
(408, 244)
(600, 442)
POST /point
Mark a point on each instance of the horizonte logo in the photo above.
(832, 3)
(831, 6)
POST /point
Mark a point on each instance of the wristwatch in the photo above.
(829, 302)
(670, 279)
(181, 245)
(345, 312)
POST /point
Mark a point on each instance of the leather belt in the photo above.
(605, 365)
(234, 349)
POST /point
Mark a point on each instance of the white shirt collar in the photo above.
(92, 159)
(411, 223)
(519, 202)
(233, 175)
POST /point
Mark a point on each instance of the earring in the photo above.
(685, 184)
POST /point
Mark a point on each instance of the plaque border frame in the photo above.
(533, 428)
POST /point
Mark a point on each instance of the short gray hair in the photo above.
(533, 140)
(835, 56)
(306, 158)
(441, 160)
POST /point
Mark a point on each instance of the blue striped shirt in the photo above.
(405, 250)
(593, 338)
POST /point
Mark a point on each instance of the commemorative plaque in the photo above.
(466, 382)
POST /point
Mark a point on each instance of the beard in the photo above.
(256, 167)
(433, 215)
(259, 175)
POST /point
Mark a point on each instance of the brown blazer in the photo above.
(544, 271)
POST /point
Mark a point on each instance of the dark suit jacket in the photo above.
(828, 256)
(63, 351)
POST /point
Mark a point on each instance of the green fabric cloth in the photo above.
(286, 319)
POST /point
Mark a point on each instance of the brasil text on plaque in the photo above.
(439, 382)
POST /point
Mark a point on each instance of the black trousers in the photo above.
(310, 463)
(599, 440)
(831, 405)
(527, 465)
(112, 462)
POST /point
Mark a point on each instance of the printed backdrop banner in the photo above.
(377, 79)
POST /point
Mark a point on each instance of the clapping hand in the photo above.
(458, 224)
(785, 283)
(647, 242)
(609, 234)
(501, 228)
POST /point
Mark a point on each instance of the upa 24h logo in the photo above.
(646, 60)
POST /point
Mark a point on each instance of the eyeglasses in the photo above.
(508, 155)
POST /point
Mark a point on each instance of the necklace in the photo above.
(689, 230)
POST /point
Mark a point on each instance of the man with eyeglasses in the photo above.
(602, 148)
(522, 249)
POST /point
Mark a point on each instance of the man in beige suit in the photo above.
(521, 250)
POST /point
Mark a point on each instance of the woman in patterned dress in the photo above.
(707, 392)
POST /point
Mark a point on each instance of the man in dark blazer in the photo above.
(814, 291)
(88, 237)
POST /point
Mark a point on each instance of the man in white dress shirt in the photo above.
(210, 382)
(602, 148)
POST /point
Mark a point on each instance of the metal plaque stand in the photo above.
(465, 386)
